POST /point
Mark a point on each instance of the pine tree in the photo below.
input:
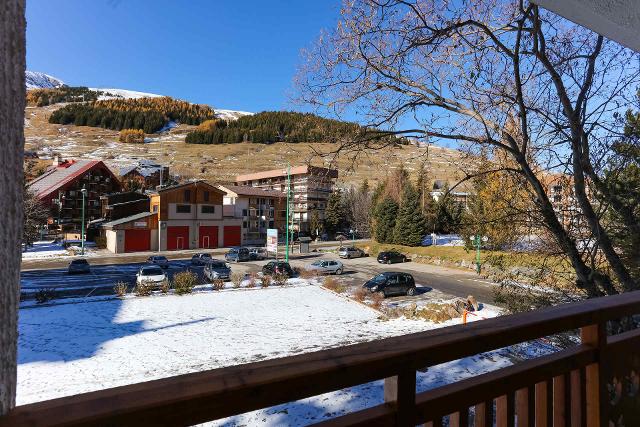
(334, 215)
(410, 226)
(385, 220)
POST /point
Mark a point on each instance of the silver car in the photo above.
(350, 252)
(326, 267)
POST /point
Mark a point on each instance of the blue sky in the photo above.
(238, 54)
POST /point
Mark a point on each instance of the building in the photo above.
(311, 187)
(135, 233)
(190, 217)
(440, 187)
(120, 205)
(258, 208)
(60, 189)
(149, 173)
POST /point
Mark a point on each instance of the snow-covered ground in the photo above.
(50, 249)
(77, 347)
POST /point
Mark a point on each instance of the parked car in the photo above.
(217, 269)
(278, 267)
(258, 254)
(200, 259)
(350, 252)
(326, 267)
(151, 274)
(237, 255)
(79, 266)
(391, 257)
(159, 260)
(392, 283)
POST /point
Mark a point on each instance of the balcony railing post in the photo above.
(595, 381)
(400, 391)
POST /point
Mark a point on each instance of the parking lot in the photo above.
(429, 278)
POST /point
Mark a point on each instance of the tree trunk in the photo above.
(12, 104)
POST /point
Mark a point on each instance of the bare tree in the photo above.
(35, 216)
(503, 74)
(12, 104)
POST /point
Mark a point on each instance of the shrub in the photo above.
(121, 289)
(143, 289)
(303, 273)
(360, 294)
(265, 281)
(252, 281)
(165, 286)
(44, 295)
(184, 282)
(279, 279)
(333, 285)
(236, 279)
(135, 136)
(217, 284)
(377, 299)
(101, 242)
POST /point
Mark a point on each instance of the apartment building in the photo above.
(311, 187)
(258, 208)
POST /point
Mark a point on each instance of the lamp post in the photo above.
(84, 194)
(353, 236)
(477, 242)
(286, 254)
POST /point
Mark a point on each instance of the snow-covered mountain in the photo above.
(38, 80)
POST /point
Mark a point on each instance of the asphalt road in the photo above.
(102, 277)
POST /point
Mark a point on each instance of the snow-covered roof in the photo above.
(127, 219)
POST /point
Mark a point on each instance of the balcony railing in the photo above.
(568, 387)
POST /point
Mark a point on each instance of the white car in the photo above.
(151, 274)
(326, 267)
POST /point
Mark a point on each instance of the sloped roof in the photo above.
(247, 190)
(58, 176)
(126, 219)
(185, 184)
(297, 170)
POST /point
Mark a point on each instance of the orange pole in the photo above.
(464, 317)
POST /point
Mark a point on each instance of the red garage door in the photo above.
(232, 236)
(137, 240)
(208, 236)
(177, 238)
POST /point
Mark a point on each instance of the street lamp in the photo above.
(84, 194)
(353, 238)
(477, 243)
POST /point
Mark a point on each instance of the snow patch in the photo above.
(38, 80)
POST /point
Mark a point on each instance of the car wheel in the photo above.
(389, 262)
(384, 293)
(404, 259)
(411, 291)
(339, 271)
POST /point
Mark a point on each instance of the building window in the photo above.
(244, 212)
(187, 195)
(244, 224)
(206, 196)
(155, 208)
(208, 209)
(183, 208)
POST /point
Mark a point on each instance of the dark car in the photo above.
(217, 269)
(238, 255)
(200, 259)
(159, 260)
(391, 257)
(392, 283)
(79, 266)
(278, 267)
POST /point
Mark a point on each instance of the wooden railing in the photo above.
(564, 388)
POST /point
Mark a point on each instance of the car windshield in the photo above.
(160, 258)
(380, 278)
(79, 261)
(153, 271)
(233, 251)
(217, 264)
(318, 263)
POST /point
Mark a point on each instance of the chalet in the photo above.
(61, 189)
(149, 173)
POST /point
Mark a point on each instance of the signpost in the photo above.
(272, 241)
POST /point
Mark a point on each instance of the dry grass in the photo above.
(236, 279)
(333, 285)
(219, 163)
(360, 294)
(376, 300)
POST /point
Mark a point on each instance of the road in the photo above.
(103, 276)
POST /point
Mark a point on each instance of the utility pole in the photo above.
(286, 254)
(84, 194)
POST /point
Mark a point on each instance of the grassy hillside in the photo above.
(220, 163)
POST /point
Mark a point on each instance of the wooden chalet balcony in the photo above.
(570, 387)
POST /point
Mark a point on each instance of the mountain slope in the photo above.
(38, 80)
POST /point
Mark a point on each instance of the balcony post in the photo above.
(596, 393)
(400, 391)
